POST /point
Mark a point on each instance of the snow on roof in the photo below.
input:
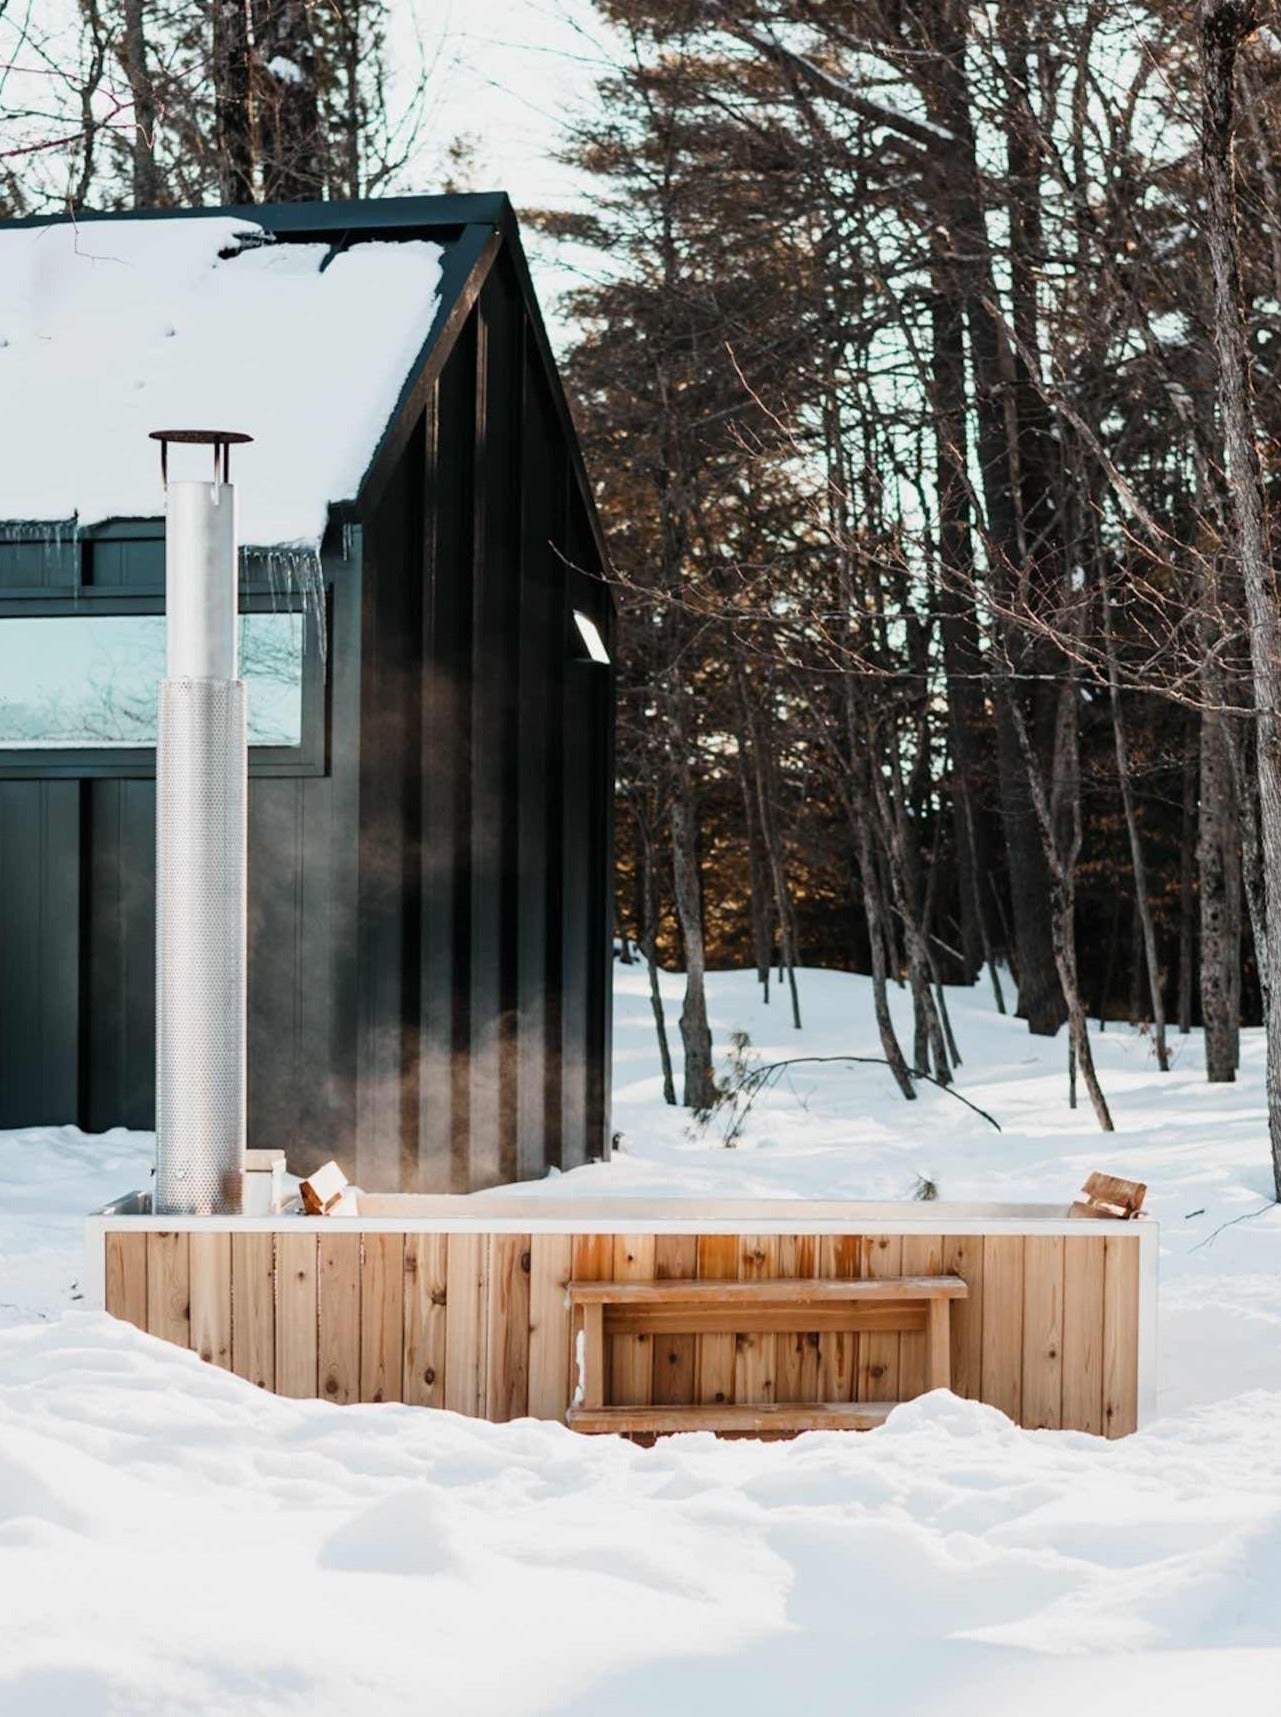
(111, 329)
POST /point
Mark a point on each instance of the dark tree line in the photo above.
(930, 380)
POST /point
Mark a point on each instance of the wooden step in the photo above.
(808, 1305)
(791, 1291)
(736, 1420)
(766, 1316)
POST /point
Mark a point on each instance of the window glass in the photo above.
(78, 680)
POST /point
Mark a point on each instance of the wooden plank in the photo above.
(507, 1338)
(1120, 1335)
(770, 1418)
(338, 1350)
(592, 1260)
(840, 1257)
(938, 1349)
(768, 1318)
(1083, 1268)
(425, 1300)
(756, 1349)
(169, 1287)
(253, 1308)
(1002, 1380)
(813, 1291)
(878, 1369)
(717, 1261)
(1042, 1332)
(631, 1357)
(797, 1350)
(675, 1354)
(922, 1257)
(297, 1316)
(126, 1277)
(382, 1317)
(210, 1265)
(468, 1258)
(551, 1263)
(592, 1369)
(963, 1257)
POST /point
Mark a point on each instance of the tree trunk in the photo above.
(291, 145)
(648, 944)
(133, 55)
(762, 771)
(877, 928)
(89, 85)
(1187, 854)
(696, 1033)
(1250, 847)
(759, 905)
(896, 842)
(1225, 24)
(1062, 893)
(1142, 896)
(348, 24)
(928, 935)
(232, 115)
(1041, 1001)
(967, 719)
(1220, 949)
(981, 877)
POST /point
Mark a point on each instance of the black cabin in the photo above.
(430, 788)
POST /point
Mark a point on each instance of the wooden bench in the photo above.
(885, 1305)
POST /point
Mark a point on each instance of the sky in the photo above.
(510, 76)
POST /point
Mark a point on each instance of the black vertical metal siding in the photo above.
(495, 717)
(389, 675)
(443, 759)
(39, 951)
(541, 661)
(500, 1073)
(118, 954)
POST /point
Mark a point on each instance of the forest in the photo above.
(941, 344)
(925, 356)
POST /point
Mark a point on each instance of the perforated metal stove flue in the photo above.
(201, 824)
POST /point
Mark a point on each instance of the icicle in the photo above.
(293, 570)
(52, 536)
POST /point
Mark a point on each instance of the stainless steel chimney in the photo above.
(201, 818)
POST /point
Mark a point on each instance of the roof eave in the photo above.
(319, 220)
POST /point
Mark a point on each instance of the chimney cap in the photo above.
(221, 440)
(202, 437)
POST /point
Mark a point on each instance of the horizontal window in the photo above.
(89, 680)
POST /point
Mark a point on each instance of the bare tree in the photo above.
(233, 116)
(1142, 896)
(1224, 26)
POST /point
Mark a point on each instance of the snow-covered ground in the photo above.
(171, 1539)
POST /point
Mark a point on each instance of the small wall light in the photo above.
(589, 632)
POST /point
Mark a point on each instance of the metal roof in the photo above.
(472, 229)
